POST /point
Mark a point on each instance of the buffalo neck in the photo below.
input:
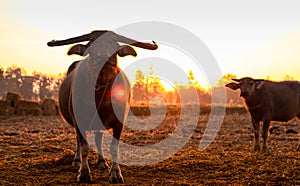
(254, 100)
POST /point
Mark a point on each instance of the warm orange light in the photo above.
(118, 92)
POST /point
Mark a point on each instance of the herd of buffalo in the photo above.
(98, 76)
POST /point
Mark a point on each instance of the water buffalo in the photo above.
(268, 101)
(111, 92)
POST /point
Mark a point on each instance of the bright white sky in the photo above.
(247, 38)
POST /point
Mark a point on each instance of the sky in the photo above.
(247, 38)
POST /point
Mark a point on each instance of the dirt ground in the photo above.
(40, 150)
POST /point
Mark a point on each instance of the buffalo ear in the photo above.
(126, 50)
(78, 49)
(233, 86)
(259, 83)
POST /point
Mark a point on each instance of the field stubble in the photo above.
(39, 151)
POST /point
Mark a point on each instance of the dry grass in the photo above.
(39, 151)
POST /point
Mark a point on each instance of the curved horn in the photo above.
(132, 42)
(237, 80)
(95, 34)
(72, 40)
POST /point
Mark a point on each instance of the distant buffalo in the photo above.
(268, 101)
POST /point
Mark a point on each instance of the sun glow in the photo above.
(119, 93)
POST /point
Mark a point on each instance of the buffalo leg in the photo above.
(84, 171)
(76, 161)
(101, 163)
(256, 134)
(266, 126)
(115, 172)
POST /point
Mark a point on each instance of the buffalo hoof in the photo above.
(265, 149)
(102, 165)
(84, 176)
(256, 148)
(116, 178)
(76, 163)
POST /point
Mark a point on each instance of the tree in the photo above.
(191, 78)
(26, 88)
(288, 77)
(225, 79)
(44, 84)
(56, 84)
(2, 83)
(139, 89)
(45, 87)
(146, 88)
(13, 78)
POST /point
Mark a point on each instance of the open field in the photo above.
(38, 150)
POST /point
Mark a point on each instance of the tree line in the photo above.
(37, 86)
(145, 88)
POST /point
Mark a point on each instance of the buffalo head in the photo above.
(247, 85)
(106, 47)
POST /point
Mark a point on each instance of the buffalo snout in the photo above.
(244, 94)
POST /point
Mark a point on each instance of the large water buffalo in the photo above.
(111, 92)
(268, 101)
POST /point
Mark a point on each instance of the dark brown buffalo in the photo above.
(268, 101)
(112, 92)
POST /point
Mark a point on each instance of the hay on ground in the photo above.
(49, 107)
(25, 107)
(13, 97)
(5, 108)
